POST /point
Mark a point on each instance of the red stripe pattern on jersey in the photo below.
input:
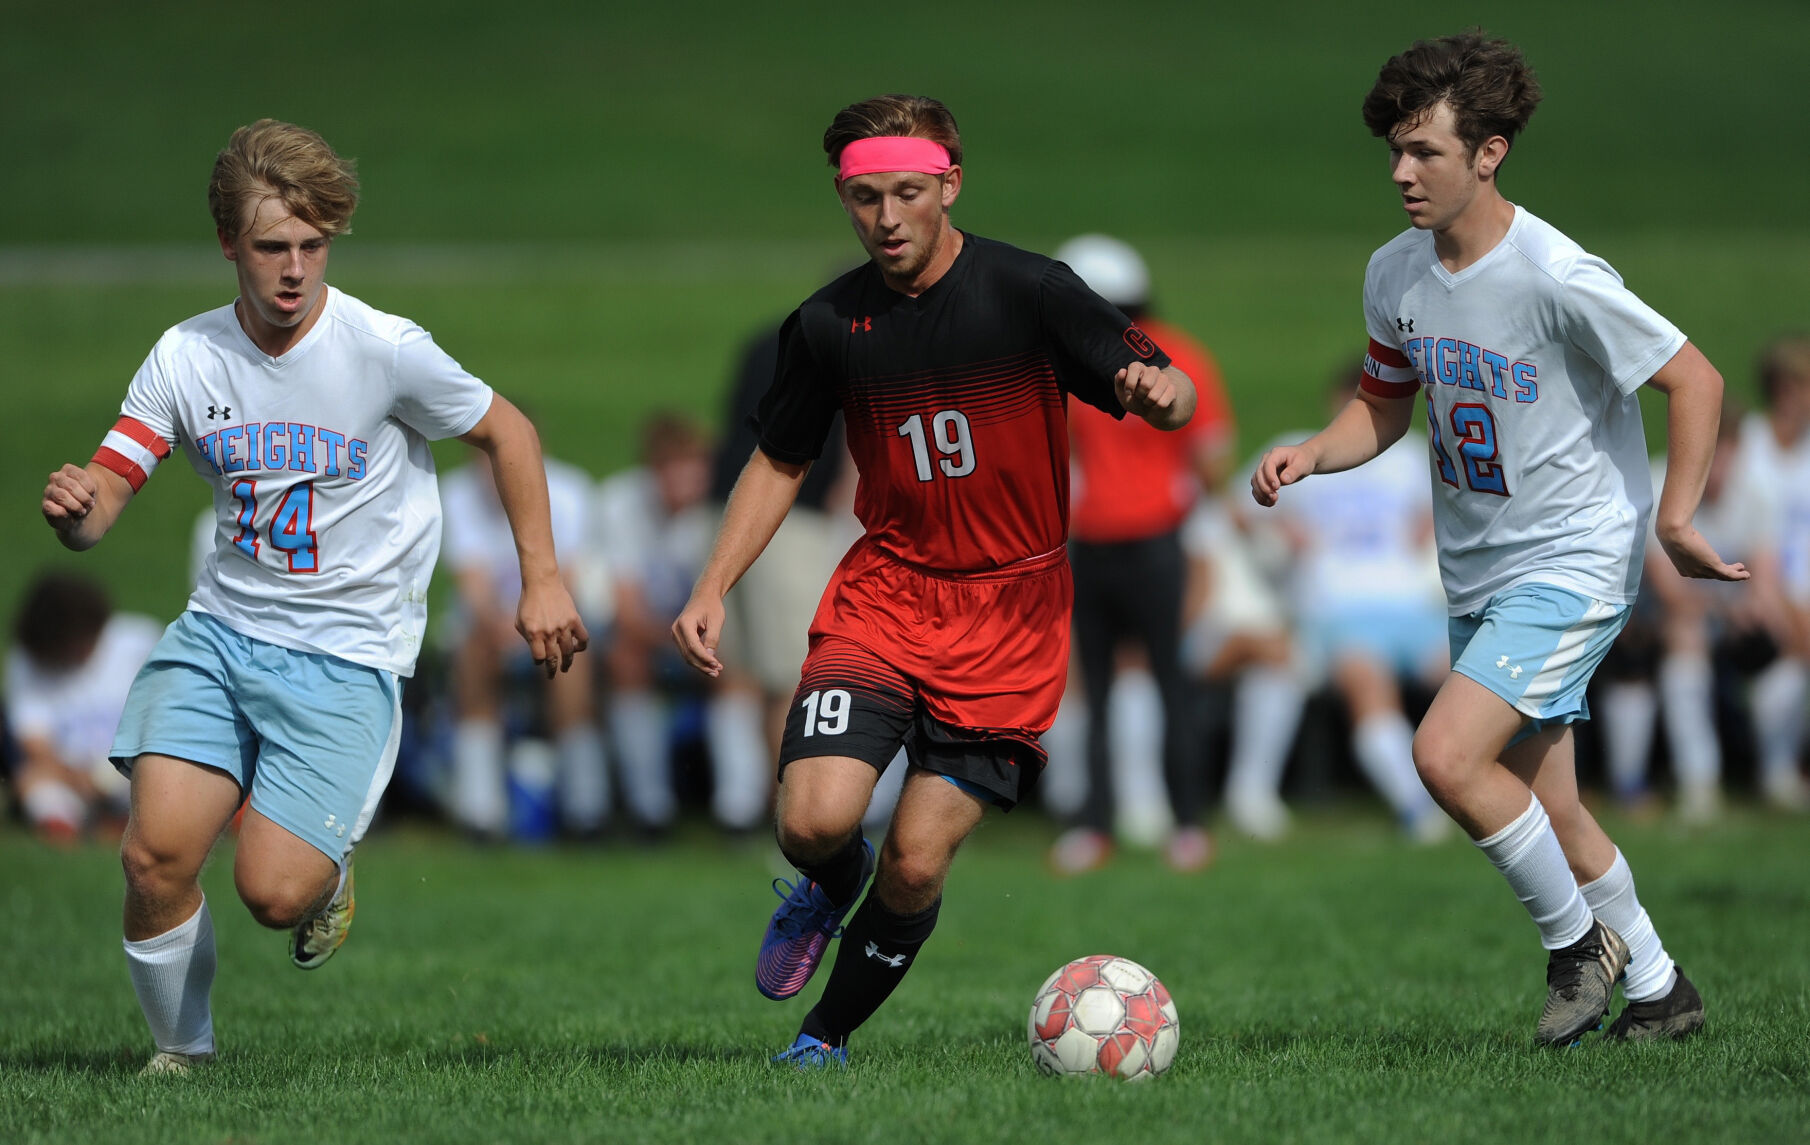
(1388, 373)
(963, 468)
(132, 450)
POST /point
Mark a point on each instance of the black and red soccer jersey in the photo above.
(953, 400)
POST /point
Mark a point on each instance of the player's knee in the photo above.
(1440, 760)
(909, 881)
(807, 836)
(154, 873)
(277, 903)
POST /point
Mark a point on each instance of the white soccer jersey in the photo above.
(1530, 358)
(641, 543)
(328, 520)
(1364, 533)
(77, 711)
(477, 533)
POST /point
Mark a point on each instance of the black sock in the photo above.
(840, 874)
(878, 947)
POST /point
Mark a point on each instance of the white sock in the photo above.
(1530, 858)
(1690, 723)
(1134, 731)
(1064, 781)
(738, 760)
(644, 754)
(1384, 747)
(886, 795)
(50, 803)
(1628, 710)
(1266, 710)
(1612, 899)
(173, 974)
(1778, 715)
(480, 796)
(584, 779)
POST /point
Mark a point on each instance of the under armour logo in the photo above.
(1513, 673)
(893, 960)
(224, 412)
(1405, 325)
(856, 325)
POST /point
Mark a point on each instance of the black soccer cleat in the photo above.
(1580, 981)
(1678, 1013)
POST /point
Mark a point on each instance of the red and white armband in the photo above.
(132, 450)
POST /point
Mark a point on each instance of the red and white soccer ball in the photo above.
(1104, 1014)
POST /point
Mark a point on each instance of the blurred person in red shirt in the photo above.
(1132, 487)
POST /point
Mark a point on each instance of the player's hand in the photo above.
(549, 621)
(698, 630)
(1283, 465)
(69, 497)
(1693, 556)
(1144, 389)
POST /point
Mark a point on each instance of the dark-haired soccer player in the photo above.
(945, 628)
(1530, 351)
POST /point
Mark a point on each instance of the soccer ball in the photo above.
(1103, 1014)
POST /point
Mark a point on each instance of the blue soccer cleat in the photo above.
(800, 931)
(812, 1053)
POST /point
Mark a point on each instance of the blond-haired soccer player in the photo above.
(309, 413)
(1530, 351)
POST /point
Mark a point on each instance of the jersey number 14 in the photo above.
(291, 527)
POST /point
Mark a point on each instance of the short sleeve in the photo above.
(1094, 338)
(148, 424)
(434, 395)
(1387, 371)
(1619, 332)
(793, 419)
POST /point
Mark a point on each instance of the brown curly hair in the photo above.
(1485, 82)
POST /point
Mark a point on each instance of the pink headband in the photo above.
(893, 153)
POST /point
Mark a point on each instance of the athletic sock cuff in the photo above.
(179, 935)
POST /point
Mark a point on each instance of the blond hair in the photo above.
(271, 158)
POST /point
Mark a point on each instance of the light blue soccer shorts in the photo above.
(312, 737)
(1536, 645)
(1404, 637)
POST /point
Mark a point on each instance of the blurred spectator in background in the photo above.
(1131, 488)
(487, 656)
(768, 613)
(1712, 628)
(654, 528)
(1775, 451)
(72, 661)
(1363, 584)
(1238, 637)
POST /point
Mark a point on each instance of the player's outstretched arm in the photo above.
(762, 496)
(1693, 391)
(82, 504)
(1163, 397)
(546, 616)
(1369, 424)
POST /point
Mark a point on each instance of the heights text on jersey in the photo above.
(1530, 358)
(327, 513)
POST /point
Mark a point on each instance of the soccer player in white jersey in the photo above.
(309, 413)
(1530, 351)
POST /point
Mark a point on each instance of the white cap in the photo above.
(1111, 268)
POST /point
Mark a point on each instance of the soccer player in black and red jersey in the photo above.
(945, 628)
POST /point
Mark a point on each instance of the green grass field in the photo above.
(1337, 987)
